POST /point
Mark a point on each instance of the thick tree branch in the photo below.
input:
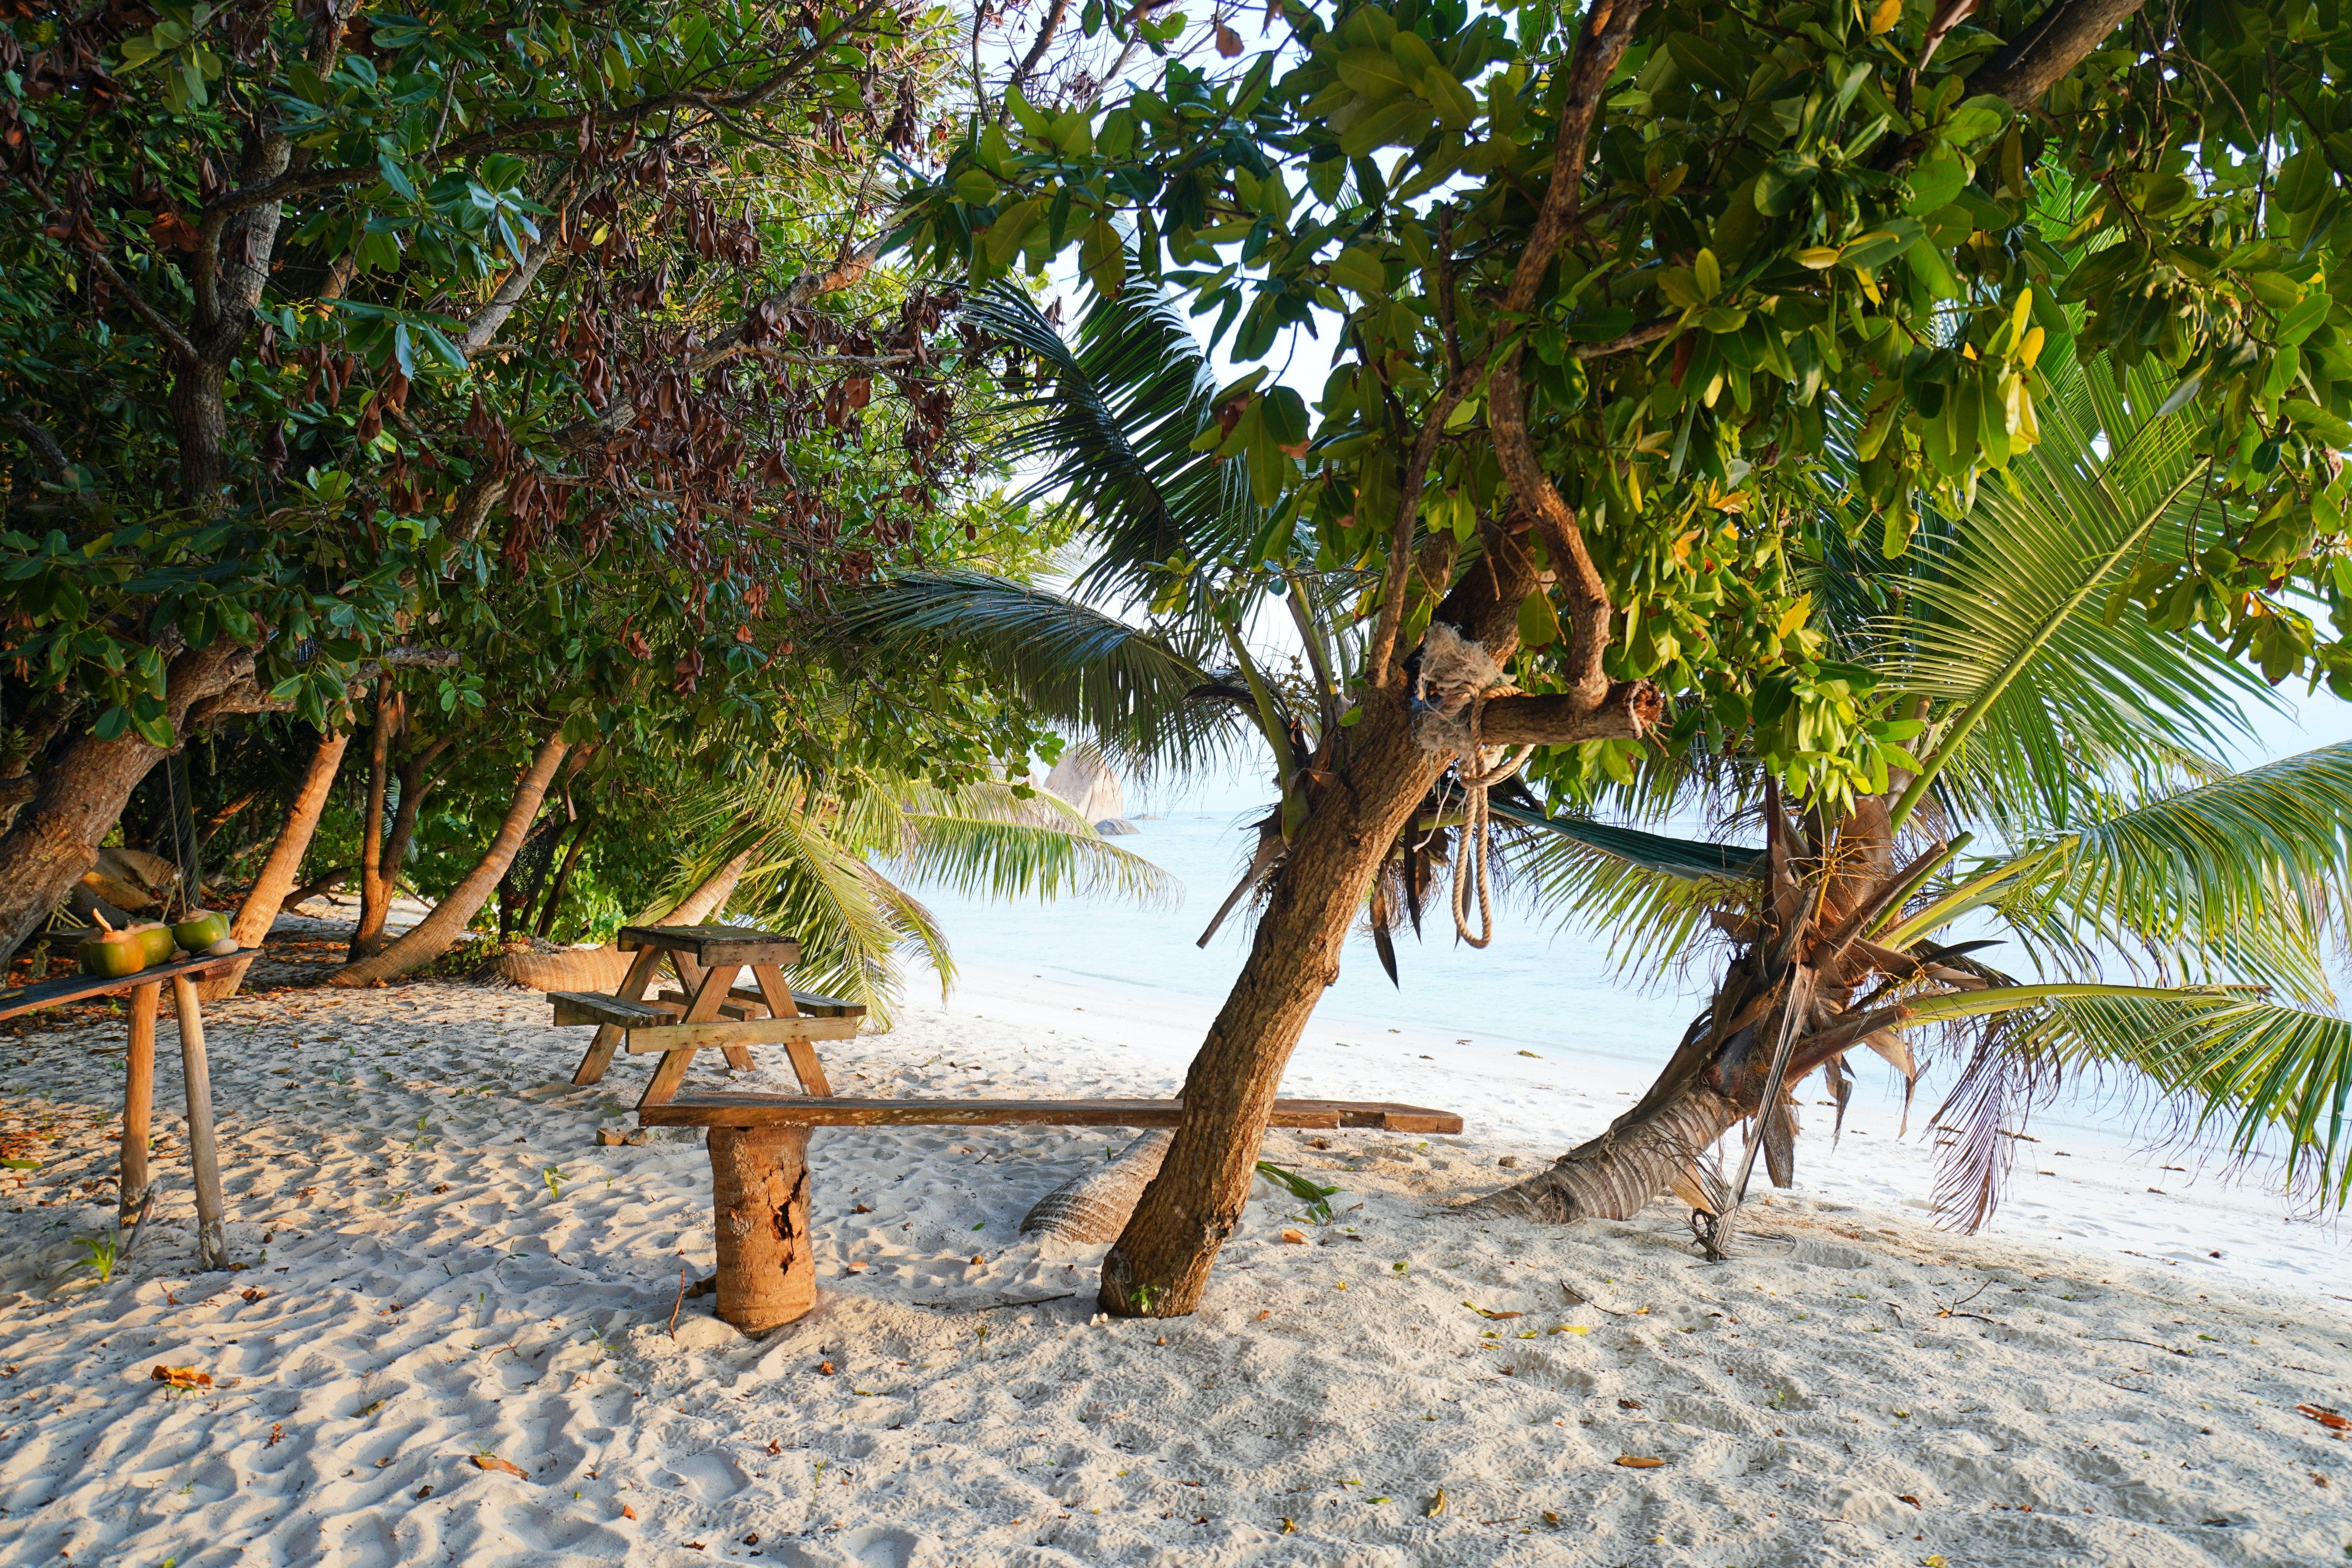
(2032, 63)
(1379, 664)
(1625, 713)
(1600, 43)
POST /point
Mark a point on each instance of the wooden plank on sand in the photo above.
(82, 987)
(797, 1111)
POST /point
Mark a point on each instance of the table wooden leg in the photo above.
(138, 1104)
(668, 1074)
(804, 1054)
(212, 1237)
(608, 1036)
(760, 1212)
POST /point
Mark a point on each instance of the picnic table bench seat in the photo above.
(766, 1272)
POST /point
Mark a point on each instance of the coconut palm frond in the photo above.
(1115, 425)
(2008, 611)
(1126, 689)
(806, 882)
(2240, 878)
(983, 841)
(1655, 902)
(2275, 1079)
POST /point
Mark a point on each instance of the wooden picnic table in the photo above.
(715, 1015)
(146, 988)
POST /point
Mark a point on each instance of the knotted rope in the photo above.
(1456, 678)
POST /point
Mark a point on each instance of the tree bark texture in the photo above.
(259, 911)
(376, 890)
(1381, 773)
(439, 931)
(1644, 1153)
(760, 1213)
(81, 795)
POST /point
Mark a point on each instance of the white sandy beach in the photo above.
(416, 1297)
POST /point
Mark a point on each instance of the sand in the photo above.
(444, 1266)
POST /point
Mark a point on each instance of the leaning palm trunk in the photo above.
(1784, 1010)
(259, 911)
(1650, 1150)
(439, 931)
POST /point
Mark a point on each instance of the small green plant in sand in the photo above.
(554, 1178)
(1316, 1196)
(103, 1250)
(423, 1138)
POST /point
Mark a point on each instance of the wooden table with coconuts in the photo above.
(138, 960)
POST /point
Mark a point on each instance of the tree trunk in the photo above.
(259, 911)
(439, 931)
(375, 888)
(1381, 773)
(1644, 1152)
(544, 925)
(77, 799)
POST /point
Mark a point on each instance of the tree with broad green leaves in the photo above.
(1609, 287)
(331, 335)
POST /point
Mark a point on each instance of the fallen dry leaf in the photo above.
(2333, 1421)
(252, 1293)
(181, 1377)
(1497, 1317)
(507, 1467)
(423, 1493)
(1629, 1405)
(1906, 1497)
(861, 1208)
(824, 1369)
(1636, 1462)
(628, 1512)
(1296, 1237)
(774, 1446)
(1263, 1315)
(977, 1260)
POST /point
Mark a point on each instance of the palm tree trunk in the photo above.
(259, 911)
(439, 931)
(1644, 1152)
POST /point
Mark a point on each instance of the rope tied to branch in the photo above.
(1456, 678)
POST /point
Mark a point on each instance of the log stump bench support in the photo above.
(146, 988)
(766, 1271)
(717, 1014)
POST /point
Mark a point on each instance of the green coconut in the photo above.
(201, 929)
(156, 941)
(113, 954)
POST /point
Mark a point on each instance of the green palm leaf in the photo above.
(2004, 613)
(2270, 1075)
(1115, 425)
(2240, 878)
(1126, 689)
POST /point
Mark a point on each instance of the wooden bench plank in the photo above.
(817, 1005)
(722, 1034)
(795, 1111)
(591, 1007)
(712, 945)
(743, 1004)
(742, 1000)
